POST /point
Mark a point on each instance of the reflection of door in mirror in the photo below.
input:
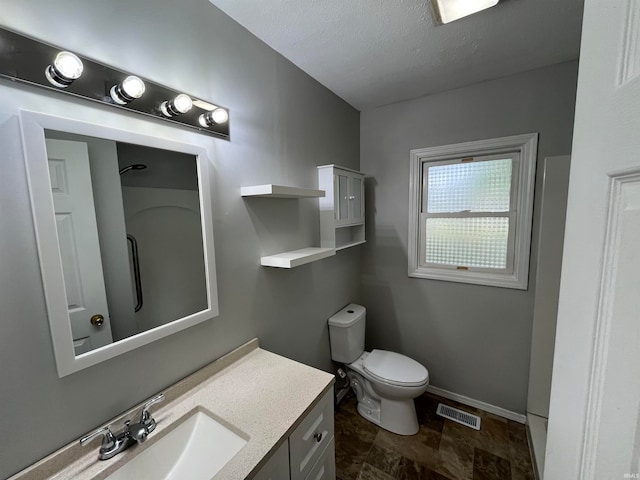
(72, 193)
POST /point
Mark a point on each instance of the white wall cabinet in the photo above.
(342, 209)
(309, 453)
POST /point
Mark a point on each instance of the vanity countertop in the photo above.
(260, 393)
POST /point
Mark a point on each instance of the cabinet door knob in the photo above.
(352, 197)
(318, 437)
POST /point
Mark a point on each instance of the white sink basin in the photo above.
(196, 449)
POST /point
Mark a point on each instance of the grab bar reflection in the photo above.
(136, 271)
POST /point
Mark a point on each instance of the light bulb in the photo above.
(130, 89)
(220, 115)
(215, 117)
(66, 68)
(181, 104)
(133, 86)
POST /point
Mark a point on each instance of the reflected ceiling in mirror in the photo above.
(124, 233)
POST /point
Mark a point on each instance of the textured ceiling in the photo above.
(377, 52)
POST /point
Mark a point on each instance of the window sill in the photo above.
(478, 278)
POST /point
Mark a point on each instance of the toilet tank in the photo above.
(346, 333)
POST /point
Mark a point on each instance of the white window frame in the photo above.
(516, 275)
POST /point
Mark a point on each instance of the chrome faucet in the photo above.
(132, 434)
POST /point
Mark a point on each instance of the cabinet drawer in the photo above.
(325, 467)
(277, 468)
(308, 441)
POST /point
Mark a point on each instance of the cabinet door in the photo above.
(309, 440)
(277, 468)
(356, 199)
(341, 194)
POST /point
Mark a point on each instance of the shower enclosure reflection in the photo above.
(130, 235)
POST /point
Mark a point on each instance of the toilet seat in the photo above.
(395, 369)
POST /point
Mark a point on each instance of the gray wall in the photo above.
(475, 340)
(283, 125)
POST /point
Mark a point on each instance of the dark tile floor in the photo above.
(441, 450)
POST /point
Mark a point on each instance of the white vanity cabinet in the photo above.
(311, 445)
(342, 209)
(309, 453)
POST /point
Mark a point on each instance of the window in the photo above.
(470, 211)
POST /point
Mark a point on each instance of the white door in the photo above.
(594, 420)
(79, 245)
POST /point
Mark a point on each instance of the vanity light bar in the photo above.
(36, 63)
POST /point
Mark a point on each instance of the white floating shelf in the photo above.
(280, 191)
(351, 244)
(295, 258)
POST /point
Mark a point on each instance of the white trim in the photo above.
(526, 145)
(33, 125)
(537, 435)
(472, 402)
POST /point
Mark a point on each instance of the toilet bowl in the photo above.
(385, 383)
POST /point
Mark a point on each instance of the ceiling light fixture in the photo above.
(127, 91)
(450, 10)
(218, 116)
(66, 68)
(181, 104)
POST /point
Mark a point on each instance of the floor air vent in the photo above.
(459, 416)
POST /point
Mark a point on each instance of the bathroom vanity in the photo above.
(281, 408)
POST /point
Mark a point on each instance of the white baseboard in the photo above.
(487, 407)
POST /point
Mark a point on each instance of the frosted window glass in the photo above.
(471, 242)
(475, 186)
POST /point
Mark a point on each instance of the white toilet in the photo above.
(385, 382)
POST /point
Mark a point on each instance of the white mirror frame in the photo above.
(33, 125)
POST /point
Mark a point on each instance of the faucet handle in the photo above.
(136, 431)
(108, 439)
(145, 418)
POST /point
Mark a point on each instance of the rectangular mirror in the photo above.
(123, 224)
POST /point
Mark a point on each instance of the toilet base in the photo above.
(397, 416)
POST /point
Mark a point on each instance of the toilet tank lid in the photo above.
(347, 316)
